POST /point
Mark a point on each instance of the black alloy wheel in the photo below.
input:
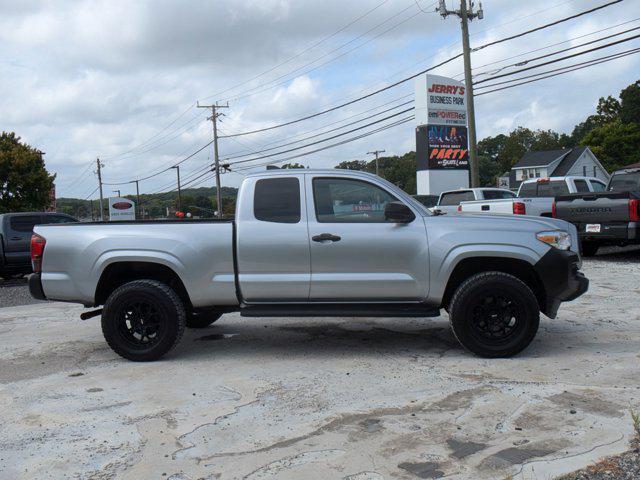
(494, 314)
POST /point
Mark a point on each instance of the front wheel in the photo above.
(142, 320)
(494, 314)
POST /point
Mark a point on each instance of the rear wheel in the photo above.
(494, 314)
(143, 320)
(589, 249)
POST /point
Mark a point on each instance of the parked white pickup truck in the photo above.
(536, 196)
(449, 201)
(313, 243)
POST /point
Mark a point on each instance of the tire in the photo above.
(494, 315)
(129, 307)
(589, 249)
(203, 319)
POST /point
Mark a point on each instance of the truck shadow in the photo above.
(617, 255)
(322, 338)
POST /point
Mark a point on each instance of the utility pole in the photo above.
(466, 15)
(99, 172)
(214, 117)
(177, 167)
(117, 191)
(376, 153)
(137, 182)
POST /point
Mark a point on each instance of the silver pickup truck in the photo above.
(313, 243)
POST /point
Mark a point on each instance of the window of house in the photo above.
(277, 200)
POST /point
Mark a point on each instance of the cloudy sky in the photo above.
(120, 80)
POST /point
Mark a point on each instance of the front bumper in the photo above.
(561, 278)
(35, 287)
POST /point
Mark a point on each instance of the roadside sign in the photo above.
(121, 209)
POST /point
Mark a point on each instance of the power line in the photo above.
(555, 44)
(302, 134)
(348, 140)
(156, 134)
(323, 133)
(297, 55)
(524, 62)
(566, 70)
(164, 170)
(558, 59)
(325, 139)
(404, 80)
(255, 91)
(541, 27)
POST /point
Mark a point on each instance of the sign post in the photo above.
(442, 147)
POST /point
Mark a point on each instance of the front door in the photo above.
(357, 255)
(273, 241)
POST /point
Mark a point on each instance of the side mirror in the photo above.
(398, 212)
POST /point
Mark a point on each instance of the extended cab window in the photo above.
(277, 200)
(24, 223)
(340, 200)
(454, 198)
(581, 186)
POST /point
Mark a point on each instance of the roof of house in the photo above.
(539, 159)
(567, 162)
(633, 165)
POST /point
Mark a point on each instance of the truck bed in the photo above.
(200, 252)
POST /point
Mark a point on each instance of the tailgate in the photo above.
(487, 206)
(606, 207)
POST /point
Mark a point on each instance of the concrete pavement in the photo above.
(358, 399)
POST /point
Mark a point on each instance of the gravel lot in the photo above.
(15, 292)
(355, 399)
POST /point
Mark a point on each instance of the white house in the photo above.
(579, 161)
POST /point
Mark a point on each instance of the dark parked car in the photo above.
(15, 234)
(606, 218)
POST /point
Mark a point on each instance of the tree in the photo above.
(24, 182)
(615, 144)
(292, 165)
(506, 150)
(353, 165)
(630, 103)
(489, 171)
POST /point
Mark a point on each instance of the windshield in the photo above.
(625, 182)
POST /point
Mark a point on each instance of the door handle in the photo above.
(325, 237)
(15, 238)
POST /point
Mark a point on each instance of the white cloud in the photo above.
(97, 78)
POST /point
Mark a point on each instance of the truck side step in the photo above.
(341, 310)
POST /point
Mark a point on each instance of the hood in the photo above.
(511, 223)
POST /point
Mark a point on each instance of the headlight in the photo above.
(559, 239)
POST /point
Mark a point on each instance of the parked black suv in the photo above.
(15, 236)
